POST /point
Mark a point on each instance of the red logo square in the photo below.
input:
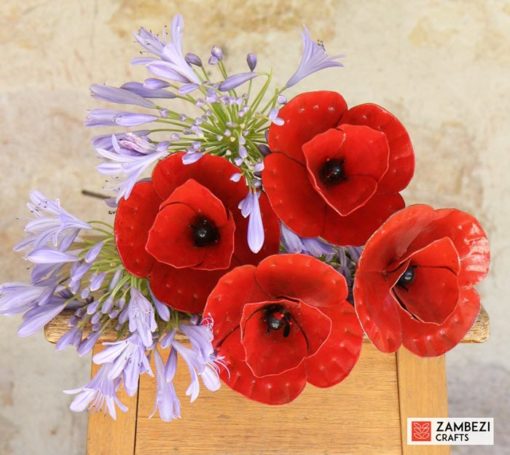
(421, 431)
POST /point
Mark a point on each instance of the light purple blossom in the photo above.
(17, 298)
(92, 254)
(119, 96)
(88, 343)
(216, 55)
(250, 207)
(167, 403)
(141, 317)
(129, 161)
(49, 256)
(71, 338)
(273, 116)
(235, 81)
(191, 157)
(128, 359)
(314, 58)
(36, 318)
(150, 42)
(107, 117)
(100, 394)
(312, 246)
(161, 309)
(193, 59)
(52, 225)
(149, 91)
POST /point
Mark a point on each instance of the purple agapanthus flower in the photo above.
(100, 394)
(130, 158)
(108, 117)
(119, 96)
(141, 317)
(250, 207)
(235, 81)
(167, 403)
(306, 245)
(52, 225)
(128, 359)
(314, 58)
(17, 298)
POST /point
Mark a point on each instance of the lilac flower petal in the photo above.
(235, 81)
(313, 59)
(211, 379)
(166, 402)
(191, 157)
(193, 59)
(96, 281)
(132, 119)
(88, 343)
(236, 177)
(256, 234)
(94, 252)
(71, 338)
(154, 84)
(273, 116)
(317, 247)
(167, 71)
(291, 241)
(19, 297)
(141, 317)
(149, 41)
(162, 310)
(188, 88)
(217, 52)
(119, 96)
(39, 318)
(47, 256)
(146, 92)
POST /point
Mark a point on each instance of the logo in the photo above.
(421, 431)
(473, 431)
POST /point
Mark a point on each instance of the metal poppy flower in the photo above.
(415, 278)
(282, 324)
(336, 172)
(183, 229)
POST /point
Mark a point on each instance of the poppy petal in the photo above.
(226, 301)
(333, 362)
(354, 189)
(431, 296)
(469, 239)
(377, 309)
(133, 220)
(211, 171)
(272, 389)
(356, 228)
(170, 240)
(271, 351)
(302, 277)
(305, 116)
(292, 196)
(439, 253)
(428, 339)
(183, 289)
(401, 159)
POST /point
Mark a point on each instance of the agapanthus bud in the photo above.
(251, 59)
(193, 59)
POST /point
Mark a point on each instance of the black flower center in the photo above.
(204, 232)
(278, 318)
(332, 172)
(407, 277)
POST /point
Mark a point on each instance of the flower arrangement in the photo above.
(269, 238)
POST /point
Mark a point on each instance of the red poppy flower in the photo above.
(184, 230)
(336, 172)
(282, 324)
(415, 278)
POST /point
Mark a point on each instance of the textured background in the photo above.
(441, 66)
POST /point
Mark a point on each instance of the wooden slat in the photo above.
(106, 436)
(479, 333)
(359, 416)
(422, 393)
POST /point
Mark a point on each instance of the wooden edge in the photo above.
(479, 333)
(106, 436)
(422, 393)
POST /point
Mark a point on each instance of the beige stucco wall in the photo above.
(442, 66)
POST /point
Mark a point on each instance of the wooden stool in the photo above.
(366, 414)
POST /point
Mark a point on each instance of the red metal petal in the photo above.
(469, 239)
(305, 116)
(439, 253)
(272, 389)
(336, 358)
(271, 223)
(292, 196)
(428, 339)
(275, 351)
(432, 295)
(226, 301)
(211, 171)
(357, 227)
(302, 277)
(183, 289)
(357, 187)
(401, 162)
(377, 309)
(133, 220)
(170, 240)
(171, 237)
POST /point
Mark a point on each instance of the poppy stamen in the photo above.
(332, 172)
(277, 318)
(204, 232)
(407, 277)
